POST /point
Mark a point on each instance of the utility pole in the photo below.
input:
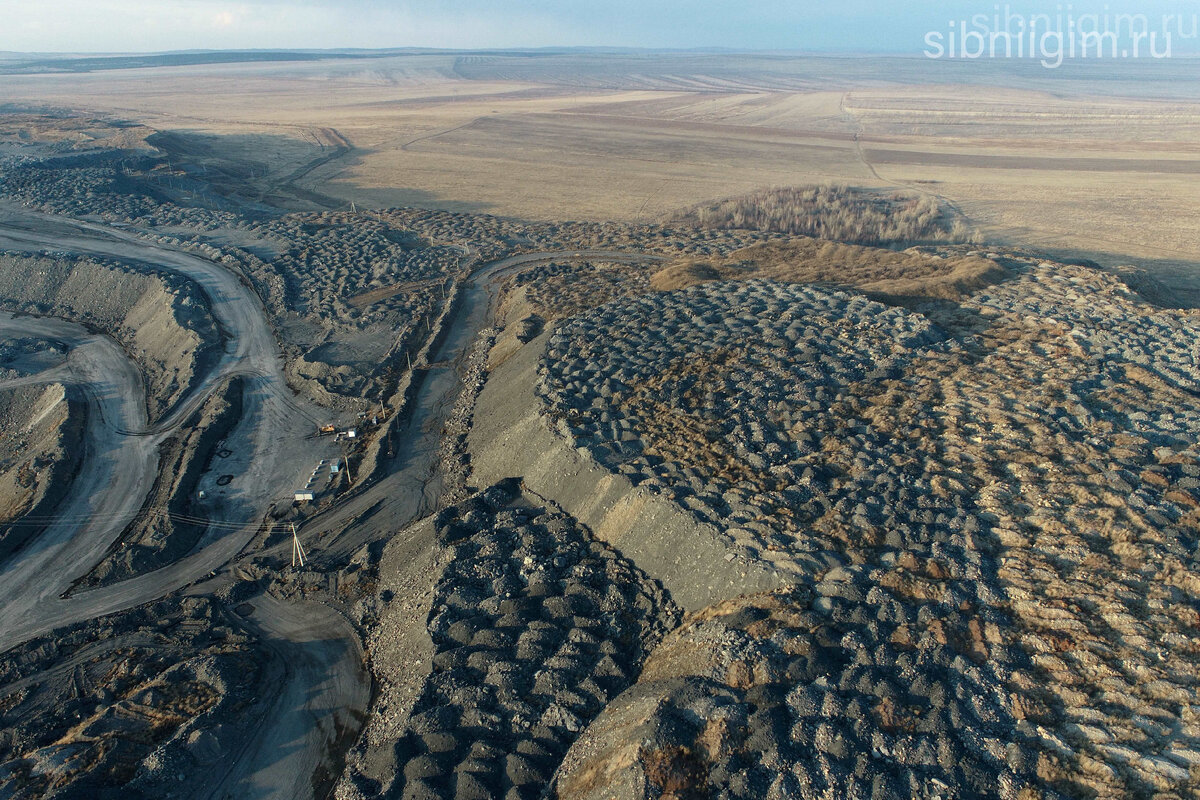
(297, 548)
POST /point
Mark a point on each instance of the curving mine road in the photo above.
(323, 688)
(412, 489)
(121, 464)
(110, 496)
(108, 490)
(318, 698)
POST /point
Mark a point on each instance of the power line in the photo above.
(146, 514)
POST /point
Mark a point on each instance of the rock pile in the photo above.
(41, 444)
(128, 705)
(721, 396)
(161, 319)
(1025, 480)
(560, 290)
(454, 460)
(813, 694)
(536, 627)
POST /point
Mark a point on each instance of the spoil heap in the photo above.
(999, 515)
(535, 627)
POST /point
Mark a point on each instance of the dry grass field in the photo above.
(1086, 160)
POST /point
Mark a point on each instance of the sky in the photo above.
(801, 25)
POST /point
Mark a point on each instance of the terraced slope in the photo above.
(161, 320)
(1004, 507)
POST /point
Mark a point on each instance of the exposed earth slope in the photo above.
(990, 522)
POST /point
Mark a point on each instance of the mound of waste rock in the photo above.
(812, 693)
(1014, 494)
(535, 627)
(41, 430)
(162, 320)
(720, 396)
(136, 704)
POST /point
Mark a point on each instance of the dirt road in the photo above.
(322, 693)
(412, 487)
(107, 492)
(325, 680)
(30, 589)
(323, 685)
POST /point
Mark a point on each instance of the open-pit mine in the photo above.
(325, 475)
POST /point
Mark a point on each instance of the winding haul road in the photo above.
(324, 688)
(323, 671)
(124, 448)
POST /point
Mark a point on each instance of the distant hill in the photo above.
(20, 64)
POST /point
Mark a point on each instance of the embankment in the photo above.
(401, 653)
(503, 629)
(41, 429)
(373, 462)
(696, 562)
(155, 538)
(161, 320)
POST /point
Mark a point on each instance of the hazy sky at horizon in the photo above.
(814, 25)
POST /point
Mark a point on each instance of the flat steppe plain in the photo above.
(1095, 159)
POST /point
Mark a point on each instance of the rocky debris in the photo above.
(812, 693)
(41, 430)
(720, 396)
(1029, 466)
(161, 319)
(396, 587)
(349, 293)
(135, 702)
(918, 274)
(535, 627)
(154, 540)
(28, 356)
(1092, 483)
(559, 289)
(341, 289)
(455, 464)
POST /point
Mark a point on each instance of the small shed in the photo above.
(303, 496)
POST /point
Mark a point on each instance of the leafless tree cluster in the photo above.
(838, 212)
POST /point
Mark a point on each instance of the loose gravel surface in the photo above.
(998, 511)
(535, 627)
(149, 700)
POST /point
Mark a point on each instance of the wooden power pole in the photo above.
(298, 554)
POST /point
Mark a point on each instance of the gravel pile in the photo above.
(536, 627)
(560, 290)
(721, 396)
(819, 693)
(1028, 478)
